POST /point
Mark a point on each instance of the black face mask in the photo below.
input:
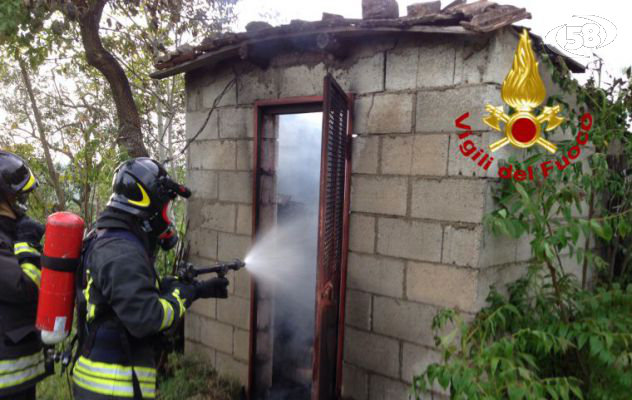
(163, 228)
(169, 239)
(19, 204)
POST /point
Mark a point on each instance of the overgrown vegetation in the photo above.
(565, 329)
(190, 377)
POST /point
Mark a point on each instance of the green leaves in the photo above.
(602, 229)
(520, 348)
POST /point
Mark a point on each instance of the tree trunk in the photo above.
(59, 191)
(130, 137)
(160, 128)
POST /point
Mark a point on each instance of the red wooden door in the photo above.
(334, 180)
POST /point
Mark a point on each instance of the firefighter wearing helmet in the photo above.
(21, 357)
(126, 305)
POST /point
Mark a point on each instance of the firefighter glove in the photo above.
(29, 231)
(185, 292)
(215, 287)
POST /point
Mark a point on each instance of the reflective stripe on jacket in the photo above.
(19, 371)
(21, 357)
(125, 312)
(113, 379)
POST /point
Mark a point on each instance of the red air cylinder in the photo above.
(62, 249)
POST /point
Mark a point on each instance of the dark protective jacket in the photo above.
(125, 313)
(21, 356)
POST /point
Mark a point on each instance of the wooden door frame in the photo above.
(291, 105)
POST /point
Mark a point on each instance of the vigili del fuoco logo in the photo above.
(524, 91)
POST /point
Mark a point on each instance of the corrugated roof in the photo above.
(458, 18)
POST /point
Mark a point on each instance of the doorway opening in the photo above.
(302, 167)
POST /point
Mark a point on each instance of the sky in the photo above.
(546, 15)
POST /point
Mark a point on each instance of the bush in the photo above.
(523, 347)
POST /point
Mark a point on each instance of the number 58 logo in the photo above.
(588, 33)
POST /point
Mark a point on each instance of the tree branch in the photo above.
(42, 135)
(129, 136)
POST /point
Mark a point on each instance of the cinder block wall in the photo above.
(219, 217)
(417, 242)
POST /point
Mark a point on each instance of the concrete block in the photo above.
(461, 245)
(228, 365)
(241, 284)
(235, 186)
(366, 75)
(354, 382)
(365, 157)
(404, 320)
(415, 155)
(436, 64)
(375, 274)
(358, 306)
(234, 311)
(193, 327)
(196, 122)
(216, 86)
(212, 155)
(230, 246)
(218, 216)
(423, 9)
(460, 162)
(203, 184)
(242, 345)
(523, 248)
(472, 60)
(236, 123)
(384, 113)
(499, 277)
(379, 9)
(441, 285)
(497, 250)
(416, 359)
(362, 233)
(244, 219)
(256, 85)
(205, 307)
(199, 350)
(193, 99)
(203, 243)
(438, 109)
(372, 352)
(301, 80)
(409, 239)
(402, 64)
(379, 194)
(381, 388)
(501, 52)
(431, 199)
(244, 155)
(217, 335)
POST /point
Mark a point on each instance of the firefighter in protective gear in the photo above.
(127, 307)
(21, 357)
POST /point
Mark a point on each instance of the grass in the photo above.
(55, 387)
(188, 377)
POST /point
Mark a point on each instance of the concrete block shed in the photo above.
(347, 126)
